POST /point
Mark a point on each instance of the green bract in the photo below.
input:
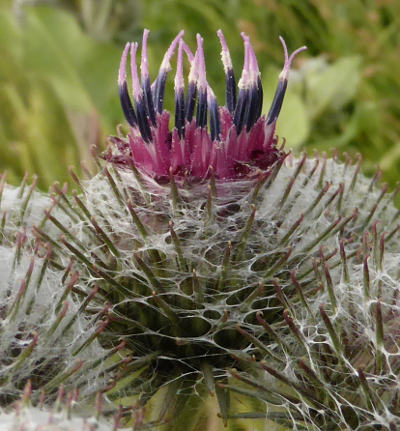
(288, 274)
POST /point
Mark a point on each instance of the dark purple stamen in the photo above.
(159, 84)
(144, 67)
(192, 90)
(229, 74)
(179, 94)
(180, 112)
(248, 109)
(159, 90)
(201, 114)
(260, 97)
(126, 105)
(148, 97)
(143, 121)
(243, 112)
(254, 107)
(238, 118)
(138, 96)
(230, 91)
(250, 114)
(126, 102)
(190, 101)
(255, 90)
(276, 105)
(282, 84)
(215, 127)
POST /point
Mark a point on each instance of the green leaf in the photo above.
(73, 62)
(333, 87)
(59, 86)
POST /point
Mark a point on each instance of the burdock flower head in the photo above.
(228, 142)
(262, 273)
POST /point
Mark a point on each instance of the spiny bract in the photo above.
(41, 324)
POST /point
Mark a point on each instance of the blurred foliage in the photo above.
(60, 58)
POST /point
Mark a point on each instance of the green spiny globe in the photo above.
(195, 280)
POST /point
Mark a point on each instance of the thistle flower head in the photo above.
(228, 142)
(286, 282)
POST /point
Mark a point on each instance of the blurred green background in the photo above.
(59, 61)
